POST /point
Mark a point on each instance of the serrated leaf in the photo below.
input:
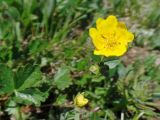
(94, 116)
(112, 64)
(61, 99)
(14, 110)
(6, 80)
(27, 77)
(30, 96)
(62, 78)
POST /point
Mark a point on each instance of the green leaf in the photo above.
(98, 78)
(112, 64)
(18, 31)
(30, 96)
(47, 10)
(83, 80)
(62, 78)
(94, 116)
(15, 111)
(36, 46)
(24, 78)
(61, 99)
(100, 91)
(6, 80)
(110, 114)
(81, 65)
(14, 13)
(27, 77)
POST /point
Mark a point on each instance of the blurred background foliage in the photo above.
(46, 58)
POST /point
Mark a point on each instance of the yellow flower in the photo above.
(110, 37)
(80, 100)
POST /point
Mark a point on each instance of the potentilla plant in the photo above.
(117, 92)
(111, 40)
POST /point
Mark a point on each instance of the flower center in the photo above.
(110, 41)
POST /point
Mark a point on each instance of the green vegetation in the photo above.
(46, 59)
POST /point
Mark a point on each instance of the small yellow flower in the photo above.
(80, 100)
(110, 37)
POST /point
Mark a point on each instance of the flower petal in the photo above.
(112, 21)
(102, 26)
(125, 36)
(122, 25)
(97, 40)
(117, 51)
(106, 25)
(130, 36)
(100, 21)
(99, 52)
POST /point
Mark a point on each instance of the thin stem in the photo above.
(20, 114)
(102, 58)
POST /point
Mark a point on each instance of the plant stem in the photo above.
(19, 114)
